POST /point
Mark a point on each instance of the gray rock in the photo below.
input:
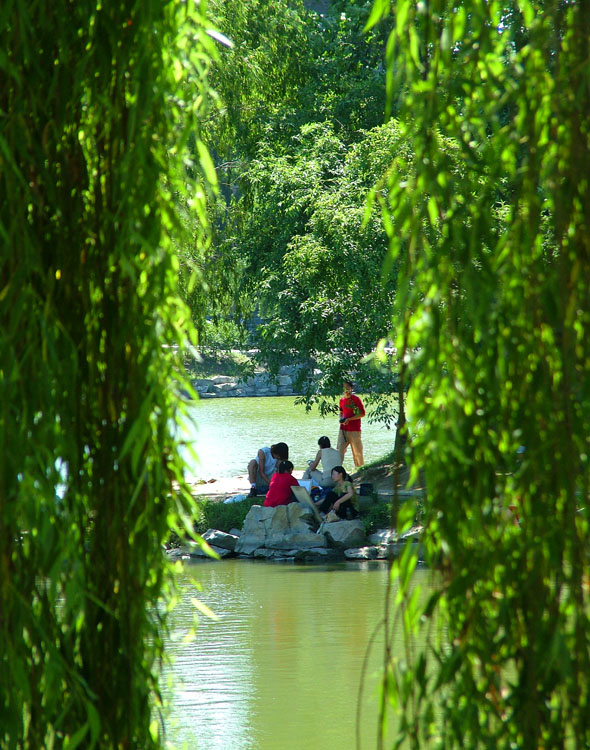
(218, 379)
(300, 539)
(202, 383)
(319, 552)
(264, 553)
(388, 536)
(362, 553)
(285, 380)
(176, 553)
(383, 536)
(283, 528)
(344, 534)
(217, 538)
(192, 549)
(224, 387)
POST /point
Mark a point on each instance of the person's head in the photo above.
(347, 387)
(285, 467)
(324, 442)
(339, 474)
(280, 451)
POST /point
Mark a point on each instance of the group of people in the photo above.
(271, 472)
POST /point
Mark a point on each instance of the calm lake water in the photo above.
(227, 432)
(282, 667)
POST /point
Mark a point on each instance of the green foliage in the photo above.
(93, 133)
(296, 90)
(376, 516)
(314, 261)
(490, 319)
(219, 361)
(216, 515)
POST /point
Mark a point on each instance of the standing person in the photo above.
(279, 492)
(261, 468)
(329, 458)
(343, 499)
(351, 413)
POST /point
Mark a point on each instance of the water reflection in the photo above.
(281, 667)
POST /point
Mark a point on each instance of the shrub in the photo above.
(376, 516)
(218, 515)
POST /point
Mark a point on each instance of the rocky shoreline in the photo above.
(290, 533)
(258, 385)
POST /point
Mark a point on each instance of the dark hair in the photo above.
(324, 442)
(342, 470)
(285, 466)
(348, 382)
(280, 450)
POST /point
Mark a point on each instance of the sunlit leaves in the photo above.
(91, 473)
(493, 286)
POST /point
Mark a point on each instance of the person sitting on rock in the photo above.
(343, 499)
(329, 458)
(279, 492)
(261, 468)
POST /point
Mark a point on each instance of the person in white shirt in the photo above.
(329, 458)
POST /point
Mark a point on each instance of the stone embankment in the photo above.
(259, 384)
(290, 532)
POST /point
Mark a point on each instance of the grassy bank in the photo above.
(216, 515)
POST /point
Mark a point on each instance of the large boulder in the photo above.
(216, 538)
(194, 549)
(284, 528)
(344, 534)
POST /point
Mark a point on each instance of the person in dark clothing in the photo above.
(343, 499)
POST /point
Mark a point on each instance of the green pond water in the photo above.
(282, 667)
(225, 433)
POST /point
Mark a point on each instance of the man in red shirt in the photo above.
(351, 413)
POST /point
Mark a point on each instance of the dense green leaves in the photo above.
(299, 92)
(92, 118)
(493, 275)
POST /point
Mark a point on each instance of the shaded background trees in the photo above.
(298, 146)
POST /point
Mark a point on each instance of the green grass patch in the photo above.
(222, 516)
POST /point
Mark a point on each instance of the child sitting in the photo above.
(279, 492)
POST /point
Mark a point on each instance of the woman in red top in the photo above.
(279, 492)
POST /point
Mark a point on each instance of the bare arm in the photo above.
(314, 464)
(262, 467)
(344, 498)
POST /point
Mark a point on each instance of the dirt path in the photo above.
(219, 489)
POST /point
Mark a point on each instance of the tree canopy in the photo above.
(299, 143)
